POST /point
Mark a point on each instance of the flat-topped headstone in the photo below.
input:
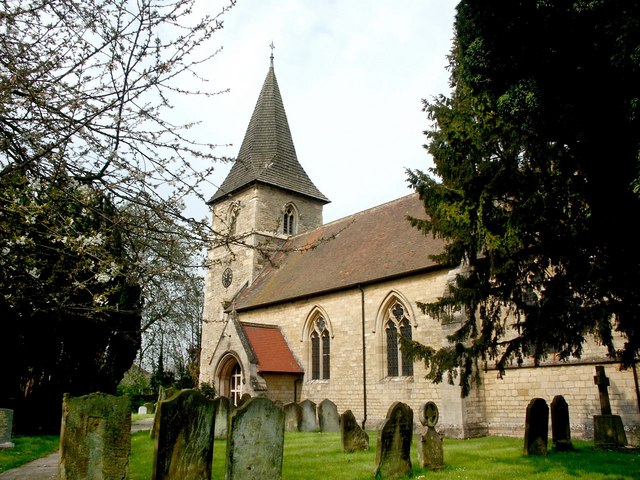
(430, 452)
(328, 418)
(256, 441)
(608, 430)
(95, 437)
(6, 426)
(292, 417)
(560, 425)
(352, 437)
(183, 446)
(223, 413)
(536, 427)
(309, 421)
(393, 454)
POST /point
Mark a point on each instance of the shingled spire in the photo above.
(267, 154)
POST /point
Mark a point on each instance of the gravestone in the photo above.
(328, 417)
(163, 394)
(309, 421)
(536, 427)
(142, 410)
(6, 425)
(430, 452)
(292, 417)
(243, 399)
(608, 430)
(151, 408)
(95, 437)
(223, 412)
(560, 425)
(183, 447)
(256, 440)
(352, 437)
(393, 454)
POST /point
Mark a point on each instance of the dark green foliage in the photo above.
(70, 307)
(536, 154)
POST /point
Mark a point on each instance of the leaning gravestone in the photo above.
(256, 441)
(95, 437)
(223, 411)
(352, 437)
(430, 453)
(328, 417)
(393, 454)
(309, 421)
(6, 425)
(536, 427)
(183, 446)
(608, 430)
(560, 425)
(292, 417)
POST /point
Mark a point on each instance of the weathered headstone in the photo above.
(393, 454)
(256, 440)
(142, 410)
(560, 425)
(95, 437)
(309, 421)
(536, 427)
(430, 452)
(6, 425)
(163, 394)
(608, 430)
(243, 399)
(352, 437)
(223, 412)
(328, 417)
(292, 417)
(184, 441)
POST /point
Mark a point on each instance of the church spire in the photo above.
(267, 154)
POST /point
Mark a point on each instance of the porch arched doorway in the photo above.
(230, 379)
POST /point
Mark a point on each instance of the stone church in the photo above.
(296, 309)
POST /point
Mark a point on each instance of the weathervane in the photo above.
(272, 46)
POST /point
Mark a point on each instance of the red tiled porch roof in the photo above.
(270, 348)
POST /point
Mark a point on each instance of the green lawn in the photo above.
(317, 456)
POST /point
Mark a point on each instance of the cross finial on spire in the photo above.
(272, 46)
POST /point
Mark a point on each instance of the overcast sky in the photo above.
(352, 74)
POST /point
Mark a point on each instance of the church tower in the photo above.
(266, 197)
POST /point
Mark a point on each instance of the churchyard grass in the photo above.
(26, 449)
(317, 456)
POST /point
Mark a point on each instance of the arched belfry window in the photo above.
(397, 324)
(320, 340)
(289, 220)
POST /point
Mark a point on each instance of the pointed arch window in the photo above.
(397, 324)
(289, 220)
(320, 339)
(235, 384)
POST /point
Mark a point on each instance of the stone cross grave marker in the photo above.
(608, 430)
(352, 437)
(292, 417)
(536, 428)
(183, 447)
(95, 437)
(256, 441)
(393, 453)
(430, 452)
(309, 416)
(328, 417)
(560, 425)
(6, 425)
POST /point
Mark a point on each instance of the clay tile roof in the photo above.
(270, 348)
(267, 154)
(370, 246)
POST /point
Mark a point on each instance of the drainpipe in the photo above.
(635, 381)
(364, 360)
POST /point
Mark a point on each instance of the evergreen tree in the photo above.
(536, 154)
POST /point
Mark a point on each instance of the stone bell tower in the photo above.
(266, 197)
